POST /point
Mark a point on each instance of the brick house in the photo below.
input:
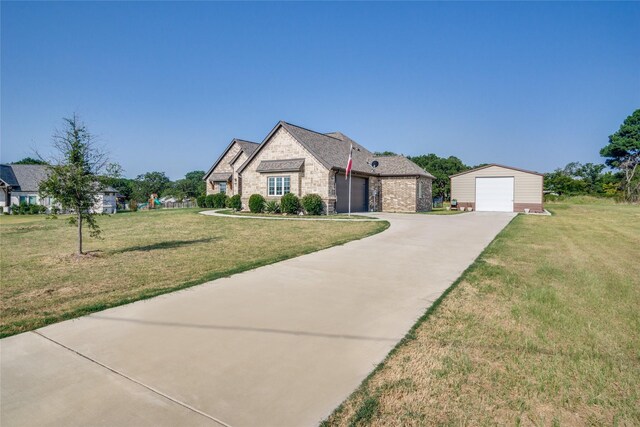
(301, 161)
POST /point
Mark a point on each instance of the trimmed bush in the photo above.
(208, 201)
(312, 204)
(272, 207)
(234, 202)
(219, 200)
(201, 201)
(256, 203)
(133, 205)
(290, 204)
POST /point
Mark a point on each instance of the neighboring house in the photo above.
(19, 184)
(498, 188)
(292, 159)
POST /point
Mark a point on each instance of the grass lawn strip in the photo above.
(542, 329)
(144, 254)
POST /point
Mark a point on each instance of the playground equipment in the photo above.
(154, 202)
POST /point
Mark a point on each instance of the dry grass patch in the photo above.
(143, 254)
(543, 329)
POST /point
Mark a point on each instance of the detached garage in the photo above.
(498, 188)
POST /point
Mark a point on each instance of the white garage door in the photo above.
(494, 194)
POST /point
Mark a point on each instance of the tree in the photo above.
(73, 179)
(560, 182)
(441, 168)
(623, 153)
(114, 179)
(191, 186)
(30, 161)
(149, 183)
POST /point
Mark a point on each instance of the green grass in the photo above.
(143, 254)
(544, 328)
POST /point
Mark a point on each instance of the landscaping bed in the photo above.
(281, 215)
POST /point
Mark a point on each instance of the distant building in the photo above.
(19, 184)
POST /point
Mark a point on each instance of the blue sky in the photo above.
(166, 86)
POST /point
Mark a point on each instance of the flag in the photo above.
(349, 163)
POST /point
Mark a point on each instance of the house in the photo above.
(498, 188)
(292, 159)
(19, 184)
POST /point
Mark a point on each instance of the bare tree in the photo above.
(74, 175)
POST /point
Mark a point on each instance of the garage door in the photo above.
(494, 194)
(359, 194)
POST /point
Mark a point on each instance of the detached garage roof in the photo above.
(496, 165)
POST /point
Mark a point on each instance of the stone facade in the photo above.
(222, 167)
(424, 195)
(313, 178)
(399, 194)
(236, 180)
(375, 194)
(406, 194)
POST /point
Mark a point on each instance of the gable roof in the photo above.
(497, 165)
(332, 150)
(246, 146)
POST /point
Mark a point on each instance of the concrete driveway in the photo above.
(281, 345)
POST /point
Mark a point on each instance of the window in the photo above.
(33, 200)
(223, 187)
(278, 185)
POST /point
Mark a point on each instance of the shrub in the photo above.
(290, 204)
(133, 206)
(21, 209)
(208, 201)
(219, 200)
(256, 203)
(234, 202)
(200, 200)
(272, 207)
(15, 209)
(312, 204)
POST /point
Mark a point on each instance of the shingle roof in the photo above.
(247, 146)
(398, 166)
(332, 150)
(222, 176)
(285, 165)
(27, 177)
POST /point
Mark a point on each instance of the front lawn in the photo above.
(143, 254)
(543, 329)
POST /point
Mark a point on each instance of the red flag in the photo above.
(349, 163)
